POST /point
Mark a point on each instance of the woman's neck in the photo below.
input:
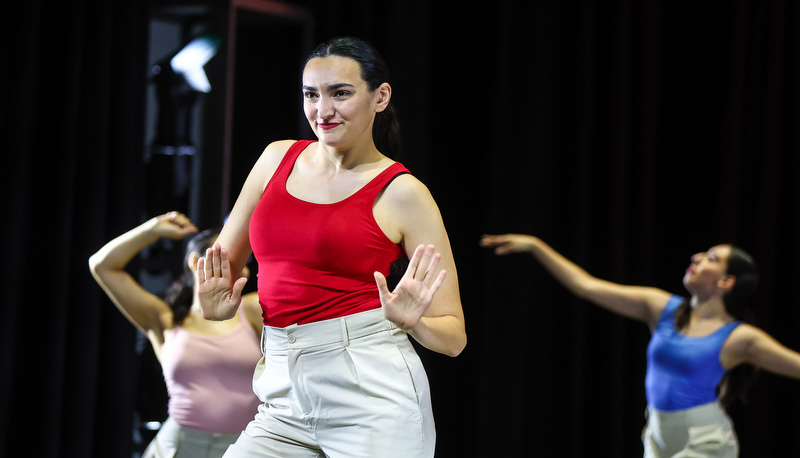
(350, 160)
(708, 308)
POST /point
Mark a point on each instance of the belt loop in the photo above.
(345, 336)
(263, 340)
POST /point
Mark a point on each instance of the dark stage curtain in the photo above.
(72, 111)
(628, 135)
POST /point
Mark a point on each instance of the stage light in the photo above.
(179, 78)
(190, 60)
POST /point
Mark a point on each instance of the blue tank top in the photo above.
(683, 371)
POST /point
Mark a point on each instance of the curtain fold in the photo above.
(72, 114)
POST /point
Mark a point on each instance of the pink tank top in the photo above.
(316, 261)
(210, 378)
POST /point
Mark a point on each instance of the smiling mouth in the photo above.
(327, 125)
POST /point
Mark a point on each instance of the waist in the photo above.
(172, 428)
(310, 305)
(706, 414)
(326, 332)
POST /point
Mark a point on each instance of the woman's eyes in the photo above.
(337, 95)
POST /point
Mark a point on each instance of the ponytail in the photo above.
(738, 380)
(386, 133)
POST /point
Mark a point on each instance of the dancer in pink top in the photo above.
(207, 365)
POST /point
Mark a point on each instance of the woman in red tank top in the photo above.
(339, 376)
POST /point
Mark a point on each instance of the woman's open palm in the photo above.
(413, 294)
(219, 296)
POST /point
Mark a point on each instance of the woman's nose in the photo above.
(325, 108)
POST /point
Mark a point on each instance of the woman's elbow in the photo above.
(95, 264)
(457, 346)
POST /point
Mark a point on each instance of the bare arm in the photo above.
(639, 303)
(751, 345)
(219, 291)
(408, 215)
(149, 313)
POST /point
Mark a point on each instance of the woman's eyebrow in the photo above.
(331, 87)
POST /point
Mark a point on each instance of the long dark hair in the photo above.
(386, 130)
(180, 294)
(737, 381)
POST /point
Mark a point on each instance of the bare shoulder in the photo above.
(749, 344)
(279, 146)
(274, 152)
(266, 165)
(407, 212)
(742, 339)
(748, 332)
(405, 190)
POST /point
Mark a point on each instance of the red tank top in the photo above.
(316, 261)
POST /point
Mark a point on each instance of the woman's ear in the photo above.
(727, 282)
(384, 92)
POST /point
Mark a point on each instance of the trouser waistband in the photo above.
(335, 330)
(702, 414)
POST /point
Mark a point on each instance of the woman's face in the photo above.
(337, 102)
(707, 269)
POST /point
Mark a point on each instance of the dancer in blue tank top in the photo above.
(701, 354)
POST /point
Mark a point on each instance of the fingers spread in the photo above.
(217, 264)
(237, 288)
(209, 263)
(380, 280)
(413, 263)
(423, 262)
(225, 263)
(430, 259)
(201, 273)
(429, 274)
(437, 283)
